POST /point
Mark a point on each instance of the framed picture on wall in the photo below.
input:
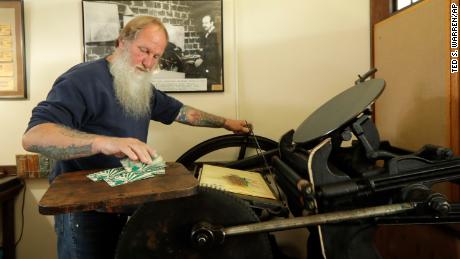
(12, 63)
(193, 58)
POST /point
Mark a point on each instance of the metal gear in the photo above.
(163, 229)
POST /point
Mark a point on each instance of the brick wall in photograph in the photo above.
(171, 12)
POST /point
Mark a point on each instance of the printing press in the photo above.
(332, 174)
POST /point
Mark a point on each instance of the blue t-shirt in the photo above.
(83, 98)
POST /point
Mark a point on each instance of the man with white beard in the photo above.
(98, 112)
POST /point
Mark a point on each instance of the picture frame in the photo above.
(12, 56)
(193, 58)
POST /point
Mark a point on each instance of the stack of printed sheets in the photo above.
(130, 172)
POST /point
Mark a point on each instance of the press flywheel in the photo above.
(163, 229)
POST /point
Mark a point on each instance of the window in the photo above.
(400, 4)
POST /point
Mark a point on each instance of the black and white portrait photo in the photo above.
(193, 58)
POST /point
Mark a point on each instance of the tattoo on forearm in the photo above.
(192, 116)
(69, 132)
(62, 153)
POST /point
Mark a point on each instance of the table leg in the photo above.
(9, 250)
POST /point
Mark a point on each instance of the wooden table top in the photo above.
(72, 192)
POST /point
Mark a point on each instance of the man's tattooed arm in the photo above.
(58, 141)
(191, 116)
(62, 153)
(62, 143)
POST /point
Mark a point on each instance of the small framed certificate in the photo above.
(12, 63)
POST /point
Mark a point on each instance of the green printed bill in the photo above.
(130, 172)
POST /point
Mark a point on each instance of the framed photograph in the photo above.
(193, 58)
(12, 63)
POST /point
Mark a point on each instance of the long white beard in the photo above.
(133, 88)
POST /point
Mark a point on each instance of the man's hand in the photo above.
(198, 62)
(238, 126)
(121, 147)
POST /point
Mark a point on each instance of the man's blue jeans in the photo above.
(86, 235)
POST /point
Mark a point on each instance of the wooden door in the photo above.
(419, 106)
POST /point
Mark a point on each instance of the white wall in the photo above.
(295, 55)
(282, 60)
